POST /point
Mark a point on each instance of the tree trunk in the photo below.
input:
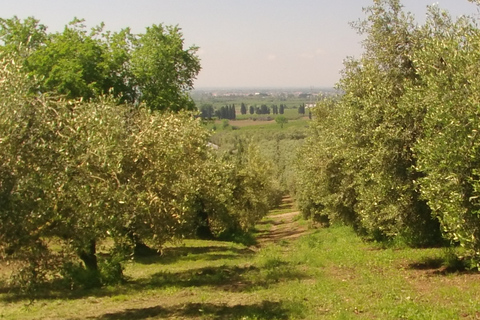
(203, 230)
(139, 247)
(89, 256)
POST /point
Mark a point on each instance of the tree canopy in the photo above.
(153, 68)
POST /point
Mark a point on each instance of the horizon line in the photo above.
(262, 87)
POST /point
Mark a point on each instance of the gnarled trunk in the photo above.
(89, 256)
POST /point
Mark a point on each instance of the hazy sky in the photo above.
(247, 43)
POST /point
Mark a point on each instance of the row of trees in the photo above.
(226, 112)
(243, 108)
(397, 155)
(77, 172)
(278, 109)
(264, 109)
(207, 111)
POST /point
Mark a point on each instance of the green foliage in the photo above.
(301, 109)
(78, 172)
(326, 186)
(277, 146)
(18, 36)
(255, 191)
(152, 68)
(243, 108)
(398, 152)
(71, 63)
(163, 69)
(385, 129)
(206, 111)
(281, 120)
(449, 151)
(366, 159)
(225, 124)
(226, 112)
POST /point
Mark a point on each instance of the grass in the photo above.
(327, 274)
(290, 114)
(249, 124)
(287, 205)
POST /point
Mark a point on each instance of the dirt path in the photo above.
(285, 227)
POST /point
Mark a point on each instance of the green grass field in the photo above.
(251, 125)
(324, 274)
(291, 114)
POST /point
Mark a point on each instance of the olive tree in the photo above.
(326, 186)
(75, 173)
(366, 159)
(449, 150)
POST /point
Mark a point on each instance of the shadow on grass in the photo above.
(270, 221)
(284, 234)
(427, 264)
(265, 310)
(287, 203)
(227, 278)
(59, 289)
(444, 266)
(176, 254)
(210, 276)
(4, 288)
(224, 278)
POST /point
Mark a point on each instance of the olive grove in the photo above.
(88, 174)
(396, 155)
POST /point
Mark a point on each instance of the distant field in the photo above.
(290, 102)
(248, 122)
(291, 114)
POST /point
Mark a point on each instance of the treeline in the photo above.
(224, 112)
(397, 156)
(207, 111)
(264, 109)
(87, 183)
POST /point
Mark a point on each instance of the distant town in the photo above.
(312, 93)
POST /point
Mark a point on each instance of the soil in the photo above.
(285, 227)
